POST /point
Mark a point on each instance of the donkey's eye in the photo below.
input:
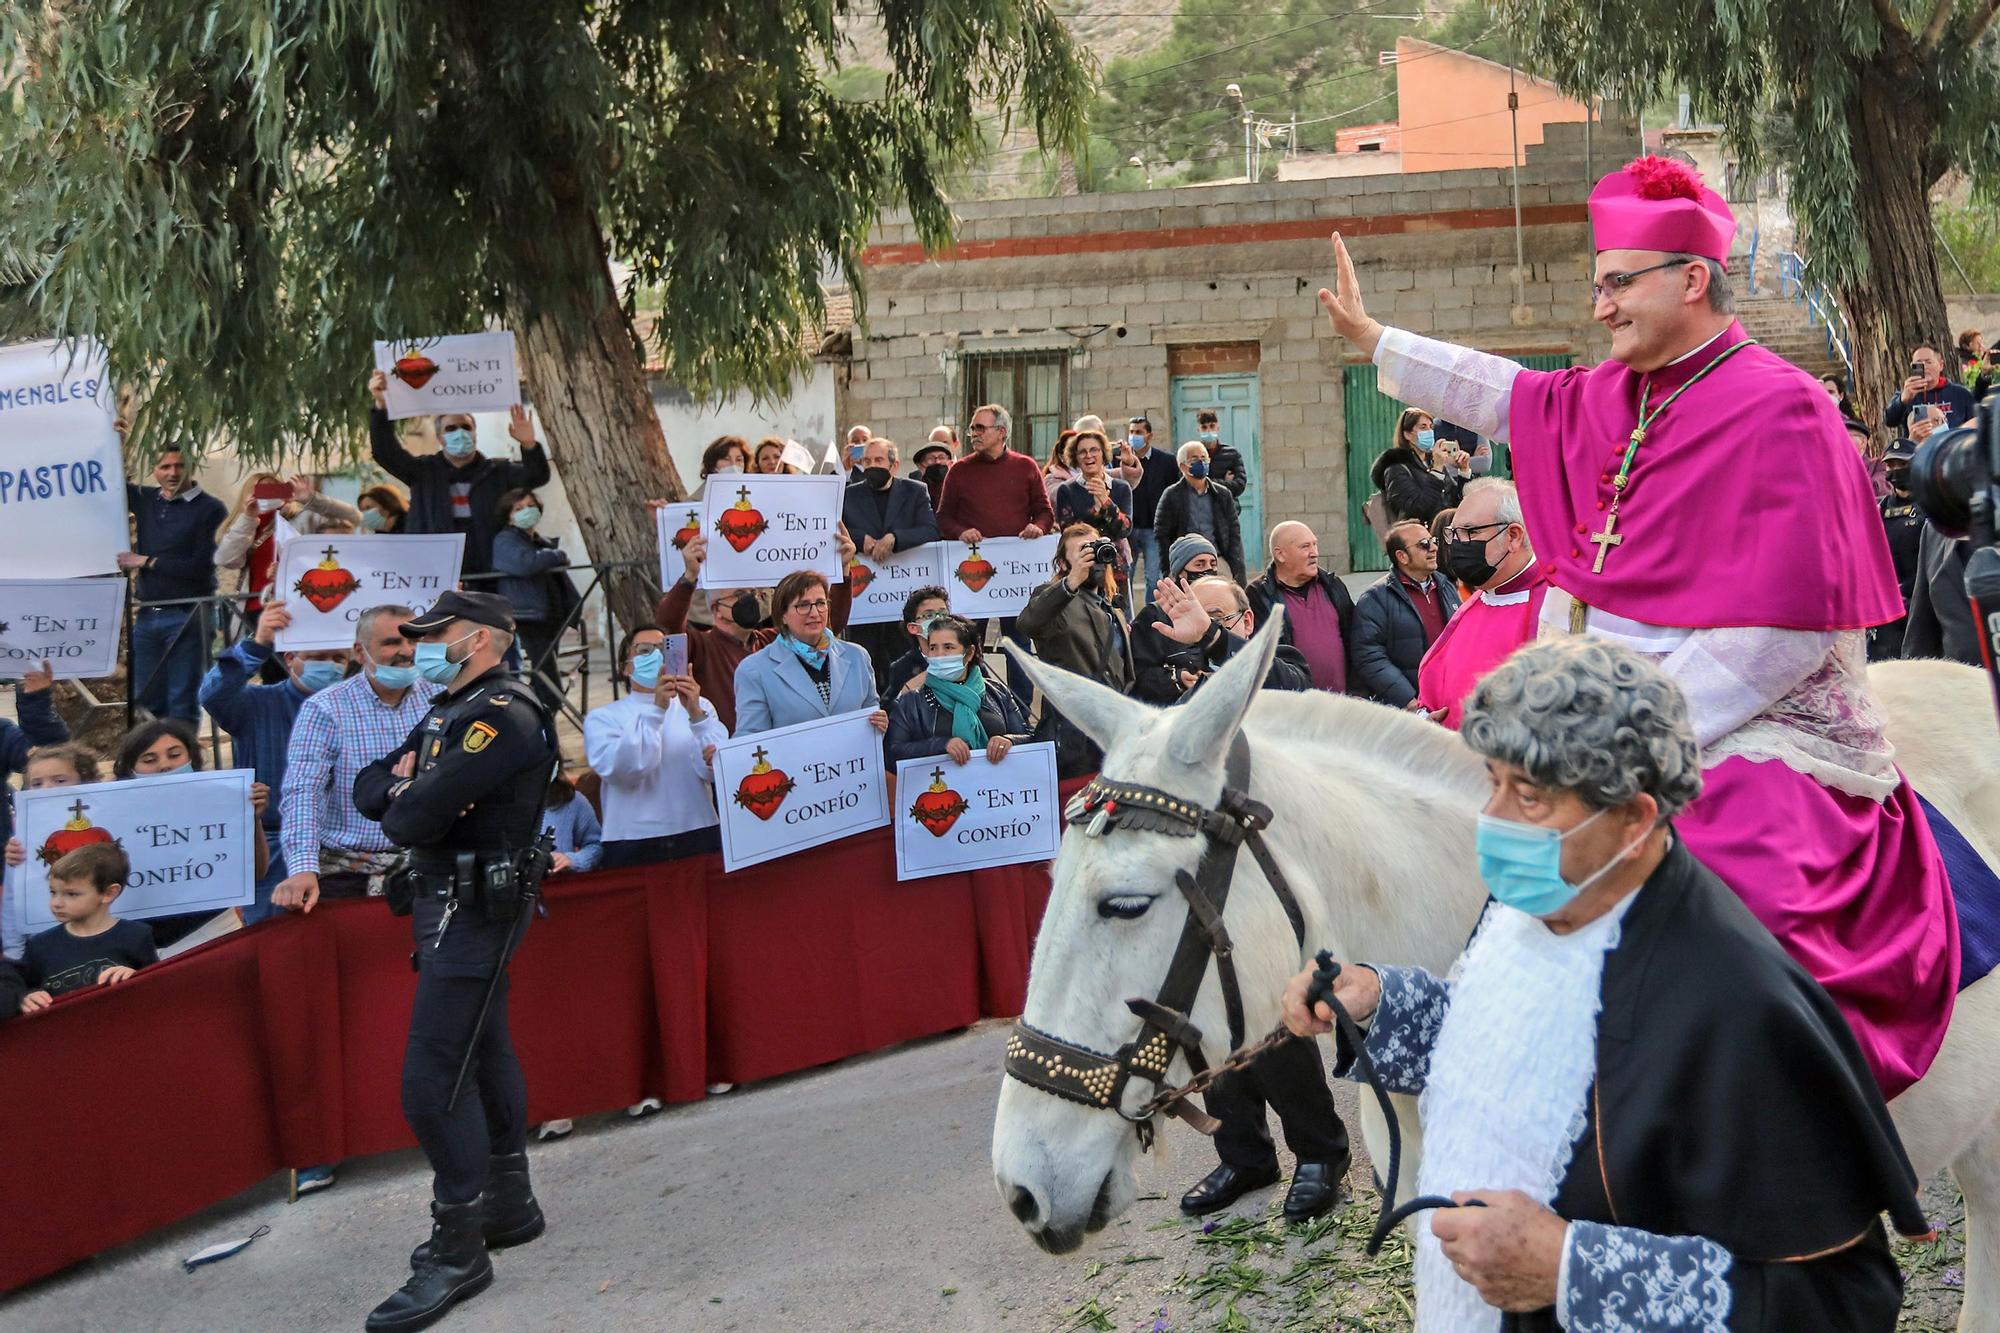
(1124, 906)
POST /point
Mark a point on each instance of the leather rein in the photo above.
(1095, 1079)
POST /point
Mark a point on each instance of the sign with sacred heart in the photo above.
(327, 582)
(761, 528)
(677, 524)
(466, 372)
(954, 817)
(797, 787)
(995, 577)
(878, 588)
(191, 839)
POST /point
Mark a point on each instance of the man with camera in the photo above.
(1928, 387)
(464, 793)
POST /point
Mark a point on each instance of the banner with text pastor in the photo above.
(465, 372)
(953, 817)
(72, 624)
(799, 786)
(762, 528)
(62, 477)
(879, 587)
(189, 836)
(996, 576)
(327, 582)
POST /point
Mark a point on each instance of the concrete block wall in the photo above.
(1137, 287)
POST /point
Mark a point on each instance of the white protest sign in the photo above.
(762, 528)
(466, 372)
(879, 587)
(190, 837)
(62, 477)
(996, 576)
(678, 524)
(796, 455)
(952, 817)
(799, 786)
(327, 582)
(72, 624)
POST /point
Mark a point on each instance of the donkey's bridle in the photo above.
(1092, 1078)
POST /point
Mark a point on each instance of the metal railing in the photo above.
(221, 618)
(1822, 309)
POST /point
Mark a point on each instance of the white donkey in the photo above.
(1373, 826)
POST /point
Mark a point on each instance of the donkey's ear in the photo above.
(1099, 712)
(1204, 725)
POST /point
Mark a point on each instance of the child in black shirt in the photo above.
(86, 947)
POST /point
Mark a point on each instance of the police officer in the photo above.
(1904, 523)
(464, 793)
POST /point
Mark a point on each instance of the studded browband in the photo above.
(1096, 1079)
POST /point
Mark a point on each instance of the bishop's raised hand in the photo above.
(1343, 305)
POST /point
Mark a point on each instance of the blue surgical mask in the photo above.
(1136, 441)
(1522, 863)
(527, 518)
(392, 677)
(646, 668)
(951, 667)
(1210, 437)
(316, 676)
(188, 767)
(1427, 440)
(458, 442)
(371, 520)
(433, 663)
(1198, 468)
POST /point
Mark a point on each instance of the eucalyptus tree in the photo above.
(237, 196)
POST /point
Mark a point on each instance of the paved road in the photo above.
(844, 1199)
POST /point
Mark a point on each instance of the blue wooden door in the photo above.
(1233, 398)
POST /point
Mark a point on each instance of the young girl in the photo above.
(169, 745)
(65, 765)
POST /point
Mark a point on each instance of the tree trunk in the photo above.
(588, 384)
(1900, 302)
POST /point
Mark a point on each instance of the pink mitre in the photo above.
(1655, 203)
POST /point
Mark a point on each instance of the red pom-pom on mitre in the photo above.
(1664, 178)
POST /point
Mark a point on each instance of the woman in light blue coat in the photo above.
(804, 673)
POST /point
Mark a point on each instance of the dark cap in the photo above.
(481, 608)
(932, 448)
(1903, 450)
(1856, 427)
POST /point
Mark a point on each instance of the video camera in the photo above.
(1952, 481)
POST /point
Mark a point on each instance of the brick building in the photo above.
(1166, 301)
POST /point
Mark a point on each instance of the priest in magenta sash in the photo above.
(1753, 586)
(1486, 549)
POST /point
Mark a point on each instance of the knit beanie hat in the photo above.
(1187, 548)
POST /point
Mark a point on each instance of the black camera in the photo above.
(1103, 551)
(1952, 481)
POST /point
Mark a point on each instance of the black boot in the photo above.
(454, 1268)
(511, 1214)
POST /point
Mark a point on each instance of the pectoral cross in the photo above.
(1605, 540)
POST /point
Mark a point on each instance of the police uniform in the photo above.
(483, 756)
(1903, 523)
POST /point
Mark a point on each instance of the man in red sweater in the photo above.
(740, 628)
(995, 492)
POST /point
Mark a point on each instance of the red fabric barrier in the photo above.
(282, 1045)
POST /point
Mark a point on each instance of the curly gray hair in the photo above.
(1586, 716)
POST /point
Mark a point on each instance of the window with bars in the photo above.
(1032, 386)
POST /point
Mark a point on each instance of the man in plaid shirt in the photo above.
(330, 848)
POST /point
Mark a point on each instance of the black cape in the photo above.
(1732, 1102)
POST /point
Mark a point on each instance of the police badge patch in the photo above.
(478, 736)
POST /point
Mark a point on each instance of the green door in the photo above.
(1233, 398)
(1370, 419)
